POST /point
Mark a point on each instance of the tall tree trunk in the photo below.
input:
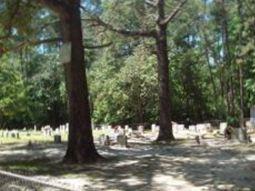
(207, 51)
(241, 96)
(165, 122)
(81, 146)
(209, 66)
(227, 60)
(241, 84)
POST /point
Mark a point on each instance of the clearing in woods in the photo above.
(215, 164)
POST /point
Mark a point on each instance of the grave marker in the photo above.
(57, 131)
(17, 135)
(141, 129)
(126, 128)
(109, 127)
(104, 140)
(13, 134)
(6, 133)
(180, 127)
(153, 128)
(129, 132)
(223, 126)
(57, 139)
(201, 128)
(193, 128)
(252, 115)
(175, 127)
(35, 128)
(122, 140)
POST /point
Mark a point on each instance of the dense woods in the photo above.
(210, 75)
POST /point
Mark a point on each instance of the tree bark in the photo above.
(165, 131)
(242, 125)
(227, 60)
(241, 83)
(81, 146)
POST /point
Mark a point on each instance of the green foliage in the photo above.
(13, 98)
(32, 91)
(124, 90)
(233, 121)
(204, 64)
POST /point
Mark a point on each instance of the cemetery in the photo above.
(198, 159)
(127, 95)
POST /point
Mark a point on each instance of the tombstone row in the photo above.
(12, 134)
(48, 130)
(117, 135)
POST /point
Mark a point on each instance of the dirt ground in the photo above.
(215, 164)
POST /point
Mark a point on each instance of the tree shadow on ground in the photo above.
(153, 167)
(200, 166)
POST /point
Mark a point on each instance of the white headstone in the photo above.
(57, 131)
(208, 126)
(157, 128)
(129, 132)
(121, 131)
(201, 128)
(50, 131)
(109, 127)
(141, 129)
(180, 127)
(66, 128)
(103, 128)
(61, 128)
(6, 133)
(153, 127)
(250, 126)
(252, 115)
(175, 127)
(193, 128)
(223, 127)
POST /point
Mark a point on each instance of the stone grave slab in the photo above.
(223, 126)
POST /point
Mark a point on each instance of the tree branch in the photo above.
(26, 43)
(98, 46)
(152, 3)
(5, 37)
(173, 14)
(96, 21)
(45, 41)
